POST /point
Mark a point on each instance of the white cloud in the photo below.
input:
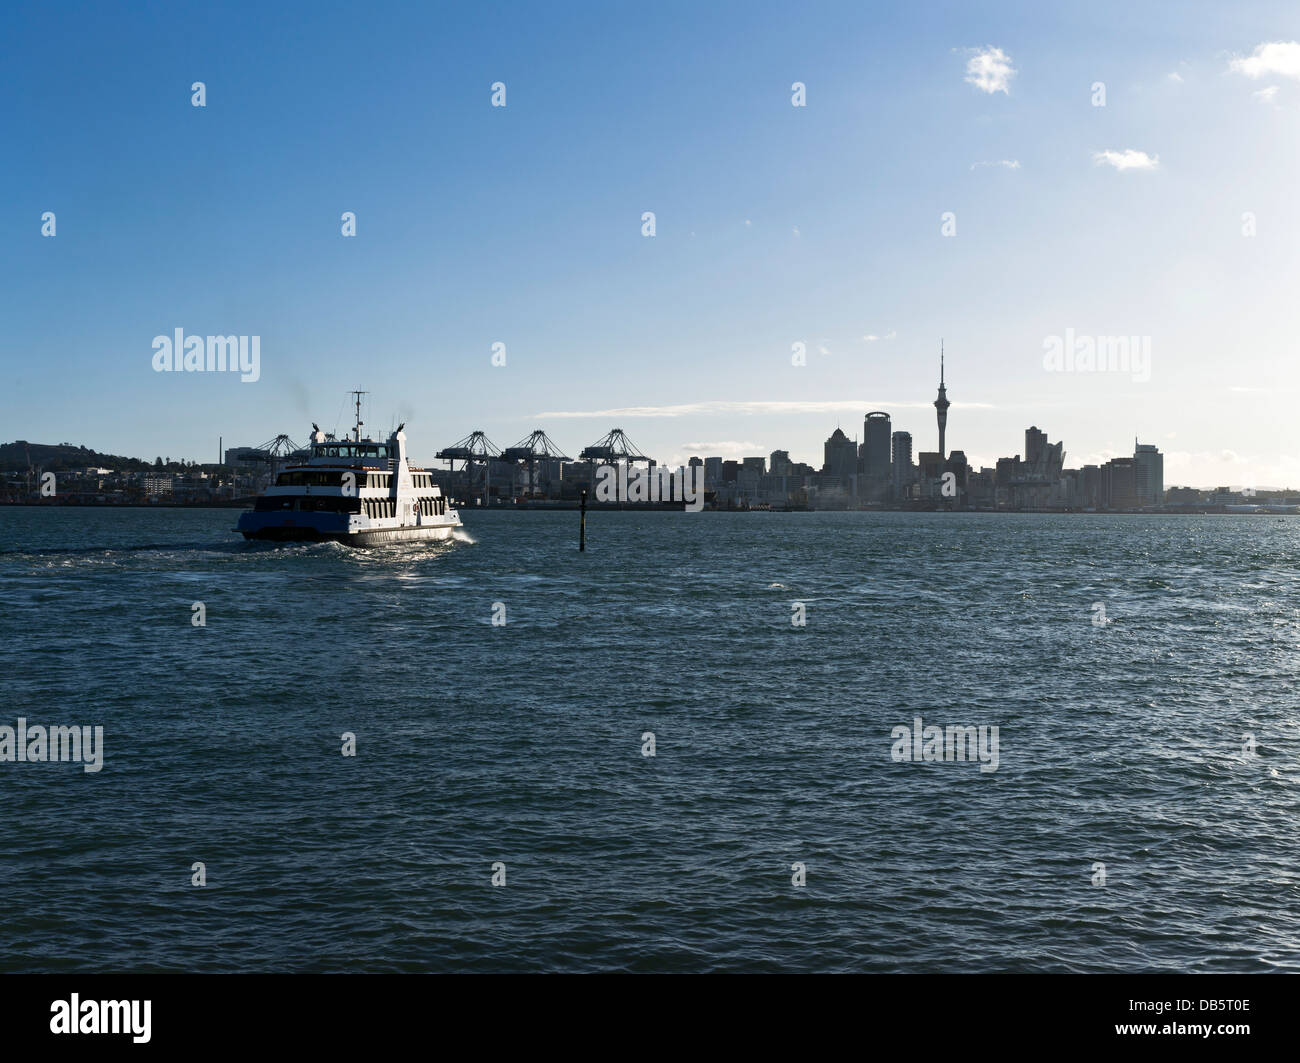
(1275, 57)
(891, 334)
(1266, 95)
(1127, 159)
(990, 71)
(797, 232)
(1010, 164)
(871, 338)
(725, 446)
(1229, 468)
(689, 409)
(1175, 76)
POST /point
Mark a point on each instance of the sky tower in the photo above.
(941, 405)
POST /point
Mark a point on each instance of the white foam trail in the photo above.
(462, 536)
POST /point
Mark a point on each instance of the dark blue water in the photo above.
(1120, 744)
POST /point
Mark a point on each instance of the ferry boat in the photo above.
(356, 491)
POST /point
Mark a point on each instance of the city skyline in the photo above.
(843, 190)
(891, 440)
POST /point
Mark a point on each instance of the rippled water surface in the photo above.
(1120, 743)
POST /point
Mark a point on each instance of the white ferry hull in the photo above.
(322, 527)
(401, 535)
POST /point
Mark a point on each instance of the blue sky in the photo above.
(775, 224)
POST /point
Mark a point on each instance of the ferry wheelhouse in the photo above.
(357, 491)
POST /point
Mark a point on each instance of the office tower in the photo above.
(1120, 487)
(1035, 442)
(841, 455)
(875, 446)
(1149, 473)
(958, 465)
(902, 462)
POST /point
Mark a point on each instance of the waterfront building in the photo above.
(1035, 444)
(874, 465)
(1090, 486)
(902, 463)
(841, 458)
(876, 445)
(1120, 485)
(1149, 473)
(957, 465)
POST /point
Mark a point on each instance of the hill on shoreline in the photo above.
(19, 455)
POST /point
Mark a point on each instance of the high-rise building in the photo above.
(902, 461)
(957, 465)
(875, 445)
(941, 405)
(841, 456)
(758, 465)
(1044, 461)
(1035, 444)
(779, 463)
(1091, 486)
(930, 466)
(1120, 483)
(1149, 473)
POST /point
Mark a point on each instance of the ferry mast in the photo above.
(356, 431)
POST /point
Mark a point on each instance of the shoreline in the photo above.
(676, 507)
